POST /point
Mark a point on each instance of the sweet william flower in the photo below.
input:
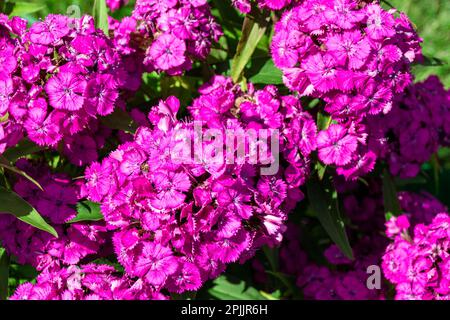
(167, 52)
(170, 187)
(8, 62)
(81, 149)
(414, 263)
(65, 91)
(114, 5)
(49, 31)
(187, 278)
(101, 95)
(322, 72)
(349, 48)
(156, 263)
(336, 145)
(169, 34)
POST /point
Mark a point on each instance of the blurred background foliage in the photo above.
(432, 20)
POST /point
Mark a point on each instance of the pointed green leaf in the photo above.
(430, 62)
(323, 121)
(119, 120)
(327, 211)
(253, 30)
(4, 273)
(268, 296)
(390, 198)
(100, 15)
(268, 74)
(12, 203)
(22, 149)
(225, 289)
(87, 211)
(23, 8)
(4, 163)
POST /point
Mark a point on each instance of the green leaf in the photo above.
(323, 121)
(4, 163)
(390, 198)
(272, 256)
(325, 205)
(12, 203)
(284, 278)
(6, 7)
(187, 295)
(219, 51)
(4, 274)
(120, 120)
(22, 149)
(253, 30)
(181, 87)
(100, 15)
(388, 216)
(23, 8)
(87, 211)
(435, 163)
(268, 296)
(226, 288)
(431, 62)
(268, 74)
(321, 170)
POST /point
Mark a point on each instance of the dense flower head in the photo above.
(339, 278)
(355, 58)
(170, 35)
(333, 275)
(416, 127)
(178, 218)
(84, 282)
(348, 146)
(418, 264)
(420, 207)
(245, 6)
(56, 203)
(58, 77)
(406, 137)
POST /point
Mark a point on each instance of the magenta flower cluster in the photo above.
(335, 277)
(76, 241)
(245, 6)
(419, 264)
(177, 224)
(415, 128)
(85, 282)
(355, 58)
(169, 34)
(58, 77)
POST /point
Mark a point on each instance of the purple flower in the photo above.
(65, 91)
(155, 263)
(335, 145)
(101, 95)
(167, 52)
